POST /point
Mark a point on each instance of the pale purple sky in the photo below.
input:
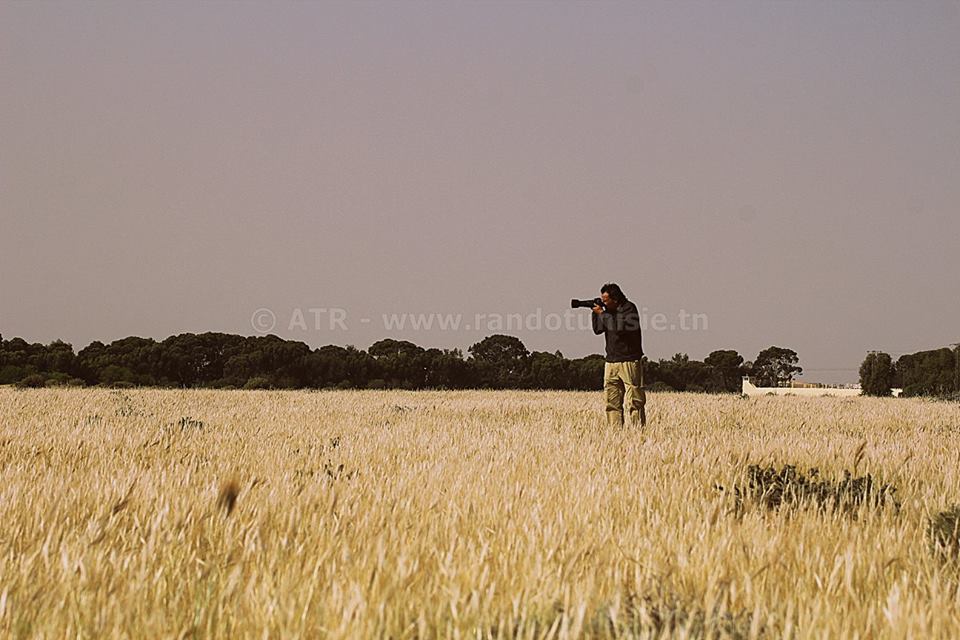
(791, 170)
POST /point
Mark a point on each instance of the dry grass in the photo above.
(225, 514)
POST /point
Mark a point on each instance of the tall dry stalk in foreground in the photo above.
(224, 514)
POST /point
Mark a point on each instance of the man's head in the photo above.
(612, 296)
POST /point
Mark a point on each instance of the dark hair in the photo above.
(614, 291)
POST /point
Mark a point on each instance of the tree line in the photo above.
(221, 360)
(935, 372)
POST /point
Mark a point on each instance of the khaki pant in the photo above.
(624, 379)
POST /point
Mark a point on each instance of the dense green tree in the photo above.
(776, 366)
(932, 372)
(586, 374)
(448, 370)
(548, 371)
(727, 369)
(681, 373)
(401, 363)
(876, 374)
(139, 356)
(501, 361)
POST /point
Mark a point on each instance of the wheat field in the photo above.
(471, 514)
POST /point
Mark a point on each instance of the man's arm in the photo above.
(631, 319)
(597, 319)
(631, 322)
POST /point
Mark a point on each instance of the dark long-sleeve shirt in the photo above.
(621, 331)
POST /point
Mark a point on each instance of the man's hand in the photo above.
(597, 309)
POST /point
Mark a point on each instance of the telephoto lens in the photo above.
(589, 304)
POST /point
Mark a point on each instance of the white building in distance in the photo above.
(808, 389)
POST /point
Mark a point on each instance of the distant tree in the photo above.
(401, 363)
(727, 366)
(680, 373)
(501, 360)
(876, 374)
(548, 371)
(671, 372)
(499, 348)
(446, 369)
(586, 374)
(927, 372)
(775, 366)
(59, 357)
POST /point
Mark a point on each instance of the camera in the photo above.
(589, 304)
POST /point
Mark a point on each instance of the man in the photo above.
(619, 320)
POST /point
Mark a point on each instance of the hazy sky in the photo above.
(790, 170)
